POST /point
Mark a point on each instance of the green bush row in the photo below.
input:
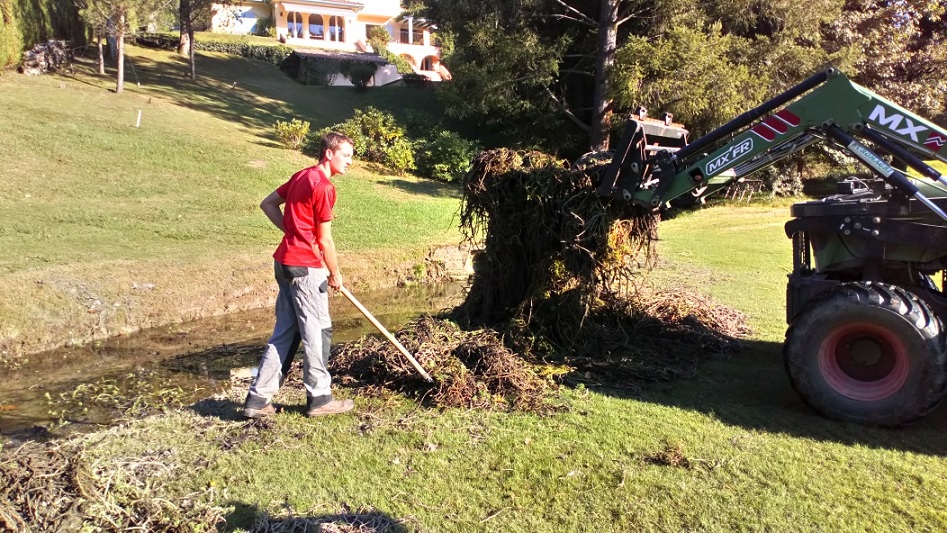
(440, 154)
(275, 53)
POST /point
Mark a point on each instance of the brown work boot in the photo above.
(250, 412)
(334, 407)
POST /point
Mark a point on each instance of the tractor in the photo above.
(866, 341)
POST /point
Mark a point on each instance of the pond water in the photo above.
(69, 389)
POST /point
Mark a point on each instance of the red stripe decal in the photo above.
(789, 117)
(778, 125)
(766, 133)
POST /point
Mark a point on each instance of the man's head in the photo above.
(337, 150)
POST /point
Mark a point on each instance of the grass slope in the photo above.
(92, 207)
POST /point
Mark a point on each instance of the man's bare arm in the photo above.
(326, 244)
(271, 207)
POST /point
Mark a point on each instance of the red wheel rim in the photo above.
(864, 362)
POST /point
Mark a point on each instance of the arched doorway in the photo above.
(294, 24)
(336, 29)
(317, 28)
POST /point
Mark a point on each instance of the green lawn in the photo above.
(92, 206)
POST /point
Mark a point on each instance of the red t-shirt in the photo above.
(310, 197)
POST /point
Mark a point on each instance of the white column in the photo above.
(410, 30)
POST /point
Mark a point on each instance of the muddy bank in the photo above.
(52, 307)
(53, 393)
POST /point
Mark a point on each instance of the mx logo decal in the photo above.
(726, 159)
(775, 125)
(897, 123)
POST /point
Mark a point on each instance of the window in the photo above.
(406, 39)
(294, 23)
(316, 27)
(336, 29)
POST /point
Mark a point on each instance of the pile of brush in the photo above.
(471, 369)
(562, 279)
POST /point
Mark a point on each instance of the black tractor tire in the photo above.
(868, 352)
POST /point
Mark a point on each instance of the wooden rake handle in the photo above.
(391, 338)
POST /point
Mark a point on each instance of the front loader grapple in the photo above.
(866, 341)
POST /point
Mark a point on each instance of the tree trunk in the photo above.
(187, 31)
(193, 64)
(120, 44)
(602, 104)
(101, 55)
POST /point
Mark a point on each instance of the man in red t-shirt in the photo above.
(306, 266)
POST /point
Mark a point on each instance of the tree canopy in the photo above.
(116, 18)
(551, 73)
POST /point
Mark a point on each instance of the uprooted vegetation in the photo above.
(56, 487)
(79, 484)
(562, 281)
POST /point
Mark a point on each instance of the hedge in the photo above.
(275, 54)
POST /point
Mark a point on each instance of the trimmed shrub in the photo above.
(377, 138)
(400, 155)
(359, 73)
(446, 157)
(319, 71)
(265, 27)
(292, 134)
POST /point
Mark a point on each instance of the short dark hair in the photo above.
(333, 141)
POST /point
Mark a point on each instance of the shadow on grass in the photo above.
(426, 187)
(256, 94)
(227, 410)
(252, 518)
(750, 389)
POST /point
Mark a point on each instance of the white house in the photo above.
(340, 27)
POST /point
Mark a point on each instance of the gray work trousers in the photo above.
(302, 315)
